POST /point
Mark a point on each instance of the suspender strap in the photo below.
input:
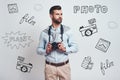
(49, 32)
(61, 32)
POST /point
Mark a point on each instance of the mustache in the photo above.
(60, 18)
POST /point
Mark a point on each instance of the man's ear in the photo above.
(51, 16)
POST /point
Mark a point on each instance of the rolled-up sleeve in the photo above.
(72, 46)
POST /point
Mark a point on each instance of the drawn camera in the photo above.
(88, 30)
(24, 67)
(87, 63)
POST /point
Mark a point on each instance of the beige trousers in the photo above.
(57, 73)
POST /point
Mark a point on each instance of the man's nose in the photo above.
(60, 16)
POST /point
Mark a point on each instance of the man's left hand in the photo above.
(61, 47)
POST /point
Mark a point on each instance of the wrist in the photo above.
(64, 49)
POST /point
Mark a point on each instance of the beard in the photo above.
(57, 21)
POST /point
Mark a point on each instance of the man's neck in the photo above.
(55, 25)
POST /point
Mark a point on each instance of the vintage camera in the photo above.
(54, 45)
(24, 67)
(88, 30)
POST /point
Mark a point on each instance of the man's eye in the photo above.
(57, 14)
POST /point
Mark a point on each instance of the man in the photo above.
(56, 43)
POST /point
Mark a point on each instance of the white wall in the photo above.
(19, 38)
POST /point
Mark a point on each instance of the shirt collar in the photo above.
(56, 29)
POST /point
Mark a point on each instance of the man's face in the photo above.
(56, 16)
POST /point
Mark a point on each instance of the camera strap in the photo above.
(61, 32)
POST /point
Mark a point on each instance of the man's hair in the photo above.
(56, 7)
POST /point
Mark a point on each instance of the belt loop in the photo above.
(49, 63)
(64, 62)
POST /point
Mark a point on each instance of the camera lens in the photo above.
(54, 45)
(88, 32)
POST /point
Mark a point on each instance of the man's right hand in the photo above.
(48, 48)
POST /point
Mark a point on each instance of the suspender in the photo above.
(49, 32)
(61, 32)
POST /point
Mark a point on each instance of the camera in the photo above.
(24, 67)
(54, 45)
(88, 30)
(87, 63)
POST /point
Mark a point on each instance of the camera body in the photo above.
(24, 67)
(54, 45)
(88, 30)
(87, 63)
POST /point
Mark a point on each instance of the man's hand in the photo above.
(48, 48)
(61, 47)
